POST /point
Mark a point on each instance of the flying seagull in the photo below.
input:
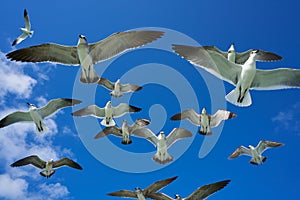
(143, 194)
(243, 77)
(199, 194)
(26, 31)
(235, 57)
(204, 120)
(125, 131)
(161, 142)
(47, 166)
(255, 152)
(107, 113)
(84, 54)
(117, 89)
(37, 115)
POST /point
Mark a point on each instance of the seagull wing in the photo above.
(240, 151)
(241, 58)
(91, 110)
(139, 123)
(210, 61)
(124, 108)
(217, 50)
(66, 55)
(120, 42)
(33, 160)
(15, 117)
(191, 115)
(106, 83)
(124, 193)
(22, 37)
(159, 196)
(220, 115)
(206, 190)
(130, 88)
(158, 185)
(67, 162)
(276, 79)
(176, 134)
(27, 22)
(109, 130)
(147, 134)
(56, 104)
(265, 144)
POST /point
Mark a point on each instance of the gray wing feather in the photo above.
(106, 83)
(124, 193)
(124, 108)
(66, 55)
(159, 196)
(120, 42)
(176, 134)
(67, 162)
(240, 151)
(210, 61)
(139, 123)
(242, 57)
(265, 144)
(191, 115)
(219, 116)
(91, 110)
(276, 79)
(217, 50)
(130, 88)
(22, 37)
(147, 134)
(158, 185)
(56, 104)
(33, 160)
(15, 117)
(109, 130)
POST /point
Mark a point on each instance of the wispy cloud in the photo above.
(288, 120)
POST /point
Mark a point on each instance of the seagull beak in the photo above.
(28, 103)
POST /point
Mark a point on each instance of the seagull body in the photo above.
(143, 194)
(26, 31)
(47, 166)
(255, 152)
(243, 77)
(37, 115)
(84, 54)
(117, 89)
(107, 113)
(204, 120)
(200, 194)
(125, 131)
(235, 57)
(162, 143)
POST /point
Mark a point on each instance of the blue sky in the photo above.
(170, 84)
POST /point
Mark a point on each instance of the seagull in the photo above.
(125, 131)
(37, 115)
(143, 194)
(117, 88)
(84, 54)
(48, 166)
(243, 77)
(204, 120)
(199, 194)
(161, 142)
(107, 113)
(26, 31)
(235, 57)
(255, 152)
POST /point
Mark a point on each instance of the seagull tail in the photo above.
(30, 33)
(233, 97)
(108, 124)
(162, 157)
(126, 141)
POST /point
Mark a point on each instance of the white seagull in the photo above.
(84, 54)
(117, 89)
(255, 152)
(235, 57)
(107, 113)
(204, 120)
(143, 194)
(26, 31)
(199, 194)
(162, 143)
(48, 166)
(125, 131)
(243, 77)
(37, 115)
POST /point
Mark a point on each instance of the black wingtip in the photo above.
(25, 13)
(14, 43)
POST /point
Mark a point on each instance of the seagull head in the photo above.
(161, 135)
(251, 147)
(137, 189)
(30, 105)
(231, 48)
(108, 104)
(204, 111)
(82, 39)
(177, 197)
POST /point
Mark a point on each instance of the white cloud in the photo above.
(12, 188)
(54, 191)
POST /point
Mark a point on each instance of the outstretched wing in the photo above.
(176, 134)
(120, 42)
(139, 123)
(217, 50)
(124, 193)
(56, 104)
(240, 151)
(91, 110)
(147, 134)
(191, 115)
(19, 39)
(15, 117)
(265, 144)
(109, 130)
(33, 160)
(219, 116)
(130, 88)
(26, 19)
(159, 196)
(206, 190)
(158, 185)
(124, 108)
(67, 162)
(106, 83)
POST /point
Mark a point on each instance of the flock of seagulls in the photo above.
(238, 69)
